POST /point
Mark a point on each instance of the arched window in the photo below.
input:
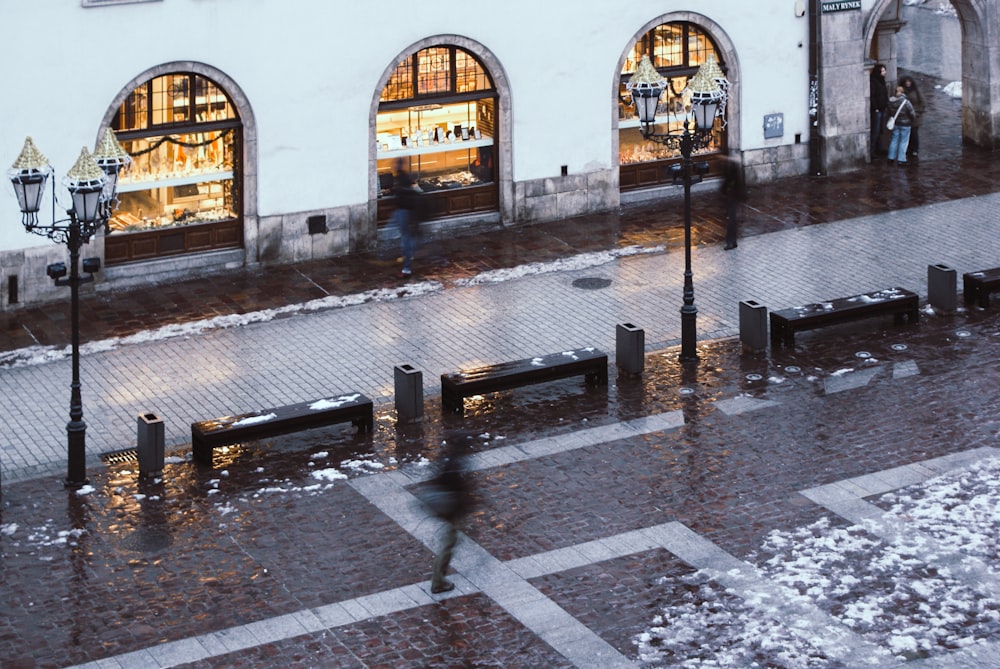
(437, 114)
(676, 50)
(182, 193)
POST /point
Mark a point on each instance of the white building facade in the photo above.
(267, 131)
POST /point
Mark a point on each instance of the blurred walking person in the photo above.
(450, 499)
(405, 218)
(734, 191)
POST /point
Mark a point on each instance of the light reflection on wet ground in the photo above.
(271, 529)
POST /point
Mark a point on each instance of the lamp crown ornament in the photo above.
(646, 77)
(709, 78)
(30, 159)
(110, 152)
(85, 173)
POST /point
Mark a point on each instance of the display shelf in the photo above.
(133, 186)
(434, 148)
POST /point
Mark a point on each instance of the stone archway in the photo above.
(980, 67)
(249, 137)
(727, 52)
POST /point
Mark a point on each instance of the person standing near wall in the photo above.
(917, 100)
(901, 115)
(878, 103)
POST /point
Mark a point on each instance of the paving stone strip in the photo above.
(507, 582)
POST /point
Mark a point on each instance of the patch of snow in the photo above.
(253, 420)
(577, 262)
(890, 593)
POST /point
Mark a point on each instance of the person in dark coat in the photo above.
(879, 103)
(734, 191)
(453, 501)
(917, 100)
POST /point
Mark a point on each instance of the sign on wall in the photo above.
(774, 125)
(841, 6)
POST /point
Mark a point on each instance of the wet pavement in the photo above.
(596, 507)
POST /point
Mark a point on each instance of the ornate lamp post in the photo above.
(708, 95)
(92, 184)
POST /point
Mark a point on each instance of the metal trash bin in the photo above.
(753, 326)
(630, 348)
(409, 383)
(149, 445)
(942, 288)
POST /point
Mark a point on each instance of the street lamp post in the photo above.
(708, 95)
(92, 184)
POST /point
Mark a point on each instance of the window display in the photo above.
(181, 194)
(176, 180)
(437, 113)
(443, 146)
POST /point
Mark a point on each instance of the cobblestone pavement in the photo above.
(596, 506)
(594, 510)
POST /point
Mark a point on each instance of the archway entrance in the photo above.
(980, 119)
(924, 44)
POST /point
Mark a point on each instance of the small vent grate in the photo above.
(119, 457)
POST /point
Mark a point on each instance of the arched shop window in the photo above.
(437, 114)
(676, 50)
(182, 193)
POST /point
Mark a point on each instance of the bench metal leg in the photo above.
(202, 452)
(452, 402)
(598, 377)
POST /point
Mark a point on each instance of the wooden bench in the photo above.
(456, 386)
(207, 434)
(891, 301)
(977, 286)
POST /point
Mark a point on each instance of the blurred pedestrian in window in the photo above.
(878, 103)
(916, 99)
(405, 218)
(901, 115)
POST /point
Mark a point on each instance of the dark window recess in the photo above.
(12, 289)
(317, 225)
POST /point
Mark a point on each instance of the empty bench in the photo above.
(456, 386)
(977, 286)
(208, 434)
(891, 301)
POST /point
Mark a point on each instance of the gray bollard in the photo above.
(942, 288)
(409, 393)
(753, 326)
(149, 445)
(630, 348)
